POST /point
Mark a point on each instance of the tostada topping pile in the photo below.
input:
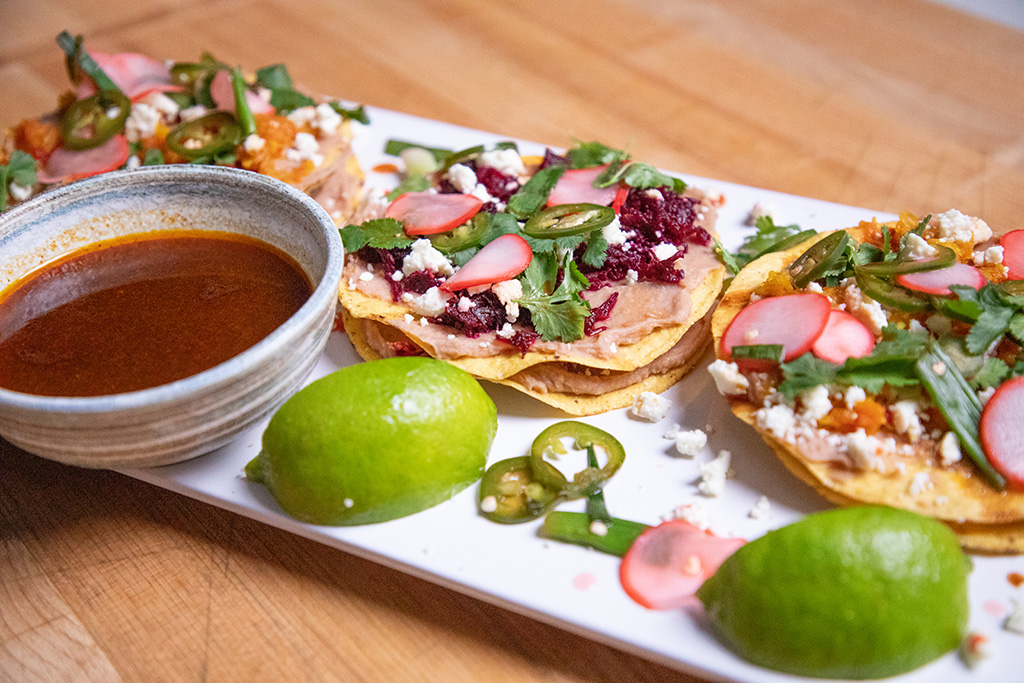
(563, 275)
(883, 364)
(127, 110)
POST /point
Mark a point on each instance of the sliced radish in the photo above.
(223, 94)
(795, 321)
(65, 165)
(1013, 253)
(938, 281)
(844, 337)
(428, 213)
(576, 186)
(668, 563)
(500, 260)
(135, 74)
(1001, 435)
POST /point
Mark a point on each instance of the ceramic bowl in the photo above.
(192, 416)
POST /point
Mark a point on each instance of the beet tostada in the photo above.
(581, 279)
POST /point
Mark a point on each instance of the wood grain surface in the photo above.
(891, 105)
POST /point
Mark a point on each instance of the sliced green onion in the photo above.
(577, 528)
(770, 352)
(243, 113)
(945, 257)
(958, 404)
(77, 57)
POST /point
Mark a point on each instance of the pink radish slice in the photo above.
(1001, 435)
(500, 260)
(428, 213)
(668, 563)
(576, 186)
(135, 74)
(795, 321)
(938, 281)
(65, 165)
(1013, 253)
(223, 94)
(844, 337)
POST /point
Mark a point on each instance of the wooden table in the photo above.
(892, 105)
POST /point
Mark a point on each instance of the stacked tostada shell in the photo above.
(127, 110)
(882, 364)
(581, 279)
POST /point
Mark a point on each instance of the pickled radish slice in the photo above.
(428, 213)
(500, 260)
(1000, 432)
(794, 321)
(65, 165)
(576, 186)
(223, 94)
(1013, 253)
(844, 337)
(135, 74)
(668, 563)
(938, 281)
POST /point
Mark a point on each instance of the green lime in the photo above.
(376, 441)
(863, 592)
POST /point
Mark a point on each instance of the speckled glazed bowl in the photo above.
(195, 415)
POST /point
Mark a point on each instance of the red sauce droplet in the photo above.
(1016, 579)
(385, 168)
(584, 581)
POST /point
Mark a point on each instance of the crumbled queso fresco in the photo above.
(650, 406)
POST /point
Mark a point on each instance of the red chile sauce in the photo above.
(144, 310)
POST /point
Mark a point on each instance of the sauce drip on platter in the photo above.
(143, 310)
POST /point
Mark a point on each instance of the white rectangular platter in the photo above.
(568, 586)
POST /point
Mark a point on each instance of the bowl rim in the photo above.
(323, 291)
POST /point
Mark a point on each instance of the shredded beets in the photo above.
(522, 340)
(486, 315)
(599, 314)
(552, 159)
(420, 281)
(662, 220)
(499, 185)
(389, 261)
(653, 221)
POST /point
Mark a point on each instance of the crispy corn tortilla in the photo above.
(697, 341)
(500, 366)
(986, 520)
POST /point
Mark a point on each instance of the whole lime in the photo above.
(863, 592)
(376, 441)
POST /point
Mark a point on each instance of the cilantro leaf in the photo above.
(380, 233)
(358, 114)
(590, 154)
(283, 94)
(639, 175)
(993, 321)
(20, 170)
(764, 241)
(416, 183)
(557, 312)
(806, 372)
(531, 196)
(597, 250)
(153, 157)
(726, 257)
(992, 374)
